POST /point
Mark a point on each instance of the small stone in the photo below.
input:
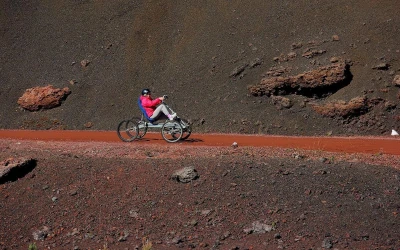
(225, 236)
(292, 55)
(75, 231)
(334, 60)
(281, 102)
(134, 213)
(89, 236)
(177, 240)
(41, 234)
(327, 244)
(88, 124)
(396, 81)
(194, 223)
(238, 70)
(205, 212)
(124, 236)
(297, 45)
(85, 63)
(73, 192)
(381, 66)
(256, 62)
(258, 227)
(185, 175)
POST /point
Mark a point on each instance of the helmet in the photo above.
(146, 91)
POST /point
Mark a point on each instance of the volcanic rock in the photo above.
(259, 228)
(310, 53)
(238, 70)
(320, 82)
(85, 63)
(335, 38)
(185, 175)
(46, 97)
(281, 102)
(396, 80)
(41, 234)
(10, 168)
(343, 109)
(381, 66)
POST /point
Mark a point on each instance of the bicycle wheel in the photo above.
(127, 130)
(172, 131)
(187, 130)
(142, 126)
(142, 129)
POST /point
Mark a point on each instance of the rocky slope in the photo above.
(205, 57)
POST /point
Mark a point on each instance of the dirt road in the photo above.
(385, 145)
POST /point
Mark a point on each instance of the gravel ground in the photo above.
(93, 195)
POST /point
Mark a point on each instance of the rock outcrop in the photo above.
(12, 169)
(320, 82)
(46, 97)
(343, 109)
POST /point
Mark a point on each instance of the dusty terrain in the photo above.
(96, 195)
(206, 56)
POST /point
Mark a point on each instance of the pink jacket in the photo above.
(149, 104)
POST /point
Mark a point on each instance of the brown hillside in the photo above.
(204, 56)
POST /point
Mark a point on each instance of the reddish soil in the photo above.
(90, 191)
(373, 145)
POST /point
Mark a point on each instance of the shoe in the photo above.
(172, 116)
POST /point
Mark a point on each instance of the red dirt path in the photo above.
(371, 145)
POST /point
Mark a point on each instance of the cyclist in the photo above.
(154, 107)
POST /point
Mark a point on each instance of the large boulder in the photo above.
(46, 97)
(354, 107)
(320, 82)
(12, 169)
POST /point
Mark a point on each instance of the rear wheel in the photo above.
(142, 127)
(127, 130)
(172, 131)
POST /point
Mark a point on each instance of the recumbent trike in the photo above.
(171, 130)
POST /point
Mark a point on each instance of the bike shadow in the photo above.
(192, 140)
(156, 140)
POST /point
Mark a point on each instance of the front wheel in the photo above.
(172, 131)
(127, 130)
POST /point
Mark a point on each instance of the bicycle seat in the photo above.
(151, 120)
